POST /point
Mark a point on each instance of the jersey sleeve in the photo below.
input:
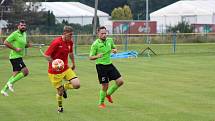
(93, 50)
(51, 48)
(11, 37)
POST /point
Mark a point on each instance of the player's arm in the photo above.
(29, 44)
(94, 57)
(113, 46)
(49, 51)
(9, 45)
(48, 58)
(72, 58)
(93, 53)
(8, 41)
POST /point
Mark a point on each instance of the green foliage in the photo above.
(37, 21)
(127, 12)
(122, 13)
(182, 27)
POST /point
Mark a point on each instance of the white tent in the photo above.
(191, 11)
(3, 24)
(73, 12)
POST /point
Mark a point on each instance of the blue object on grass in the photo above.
(129, 54)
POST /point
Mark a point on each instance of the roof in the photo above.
(70, 9)
(187, 7)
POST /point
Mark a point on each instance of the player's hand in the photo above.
(18, 49)
(114, 51)
(73, 67)
(99, 55)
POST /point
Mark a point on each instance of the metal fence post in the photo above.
(174, 42)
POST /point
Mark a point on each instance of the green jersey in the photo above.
(18, 40)
(102, 47)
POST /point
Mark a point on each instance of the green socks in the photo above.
(112, 89)
(5, 86)
(102, 95)
(16, 78)
(12, 80)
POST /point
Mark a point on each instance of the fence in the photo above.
(179, 43)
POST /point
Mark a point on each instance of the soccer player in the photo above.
(60, 48)
(17, 42)
(100, 52)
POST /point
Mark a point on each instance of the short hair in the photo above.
(22, 21)
(102, 27)
(67, 29)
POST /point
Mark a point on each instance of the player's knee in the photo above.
(76, 86)
(60, 91)
(25, 72)
(75, 83)
(105, 86)
(120, 82)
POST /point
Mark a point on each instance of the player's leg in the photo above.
(118, 82)
(59, 97)
(102, 94)
(19, 71)
(104, 81)
(17, 65)
(56, 80)
(73, 81)
(114, 75)
(5, 88)
(17, 76)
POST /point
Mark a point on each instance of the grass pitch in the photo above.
(169, 87)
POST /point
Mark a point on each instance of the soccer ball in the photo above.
(57, 65)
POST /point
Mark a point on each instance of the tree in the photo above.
(127, 12)
(182, 27)
(122, 13)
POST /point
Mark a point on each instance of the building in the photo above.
(73, 12)
(191, 11)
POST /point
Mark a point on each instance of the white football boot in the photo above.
(10, 87)
(4, 93)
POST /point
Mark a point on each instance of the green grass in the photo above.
(168, 87)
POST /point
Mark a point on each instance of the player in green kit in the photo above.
(100, 52)
(17, 43)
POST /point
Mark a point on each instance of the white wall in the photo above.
(206, 19)
(164, 21)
